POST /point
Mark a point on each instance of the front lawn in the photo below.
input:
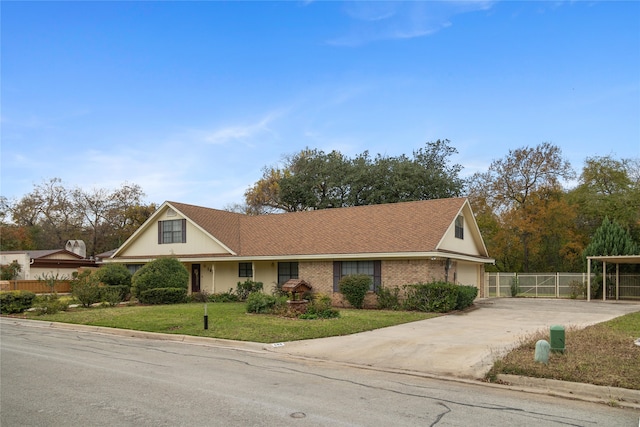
(602, 354)
(231, 321)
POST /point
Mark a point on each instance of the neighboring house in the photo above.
(395, 244)
(40, 263)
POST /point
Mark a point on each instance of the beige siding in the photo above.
(23, 260)
(467, 245)
(267, 273)
(468, 274)
(225, 276)
(63, 273)
(146, 244)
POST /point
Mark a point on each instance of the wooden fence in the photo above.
(36, 286)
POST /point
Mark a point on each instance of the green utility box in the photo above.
(557, 339)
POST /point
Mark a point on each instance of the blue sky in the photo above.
(191, 100)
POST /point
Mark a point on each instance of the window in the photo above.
(245, 269)
(134, 267)
(173, 231)
(460, 227)
(345, 268)
(286, 271)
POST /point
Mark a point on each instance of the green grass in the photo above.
(602, 354)
(230, 321)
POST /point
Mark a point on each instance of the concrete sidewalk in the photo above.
(463, 345)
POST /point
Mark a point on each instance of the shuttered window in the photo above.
(460, 227)
(372, 269)
(173, 231)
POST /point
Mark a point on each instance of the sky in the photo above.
(192, 100)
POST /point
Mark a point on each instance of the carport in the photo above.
(612, 259)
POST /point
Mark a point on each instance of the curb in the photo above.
(613, 396)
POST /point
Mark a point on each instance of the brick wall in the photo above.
(395, 273)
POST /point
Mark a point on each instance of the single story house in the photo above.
(36, 264)
(395, 244)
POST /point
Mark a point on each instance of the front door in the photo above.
(195, 278)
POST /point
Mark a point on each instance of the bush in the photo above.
(515, 287)
(257, 302)
(160, 273)
(202, 296)
(163, 296)
(123, 292)
(111, 295)
(577, 289)
(354, 287)
(437, 297)
(86, 288)
(246, 288)
(389, 298)
(16, 301)
(320, 308)
(49, 304)
(228, 296)
(466, 296)
(114, 275)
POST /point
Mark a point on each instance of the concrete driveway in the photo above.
(462, 345)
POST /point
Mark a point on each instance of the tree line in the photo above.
(54, 213)
(528, 219)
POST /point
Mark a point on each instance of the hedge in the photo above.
(16, 301)
(163, 296)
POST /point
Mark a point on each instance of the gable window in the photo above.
(245, 269)
(460, 227)
(372, 269)
(172, 231)
(286, 271)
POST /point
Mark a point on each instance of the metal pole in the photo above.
(588, 279)
(206, 317)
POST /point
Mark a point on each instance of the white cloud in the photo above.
(374, 21)
(243, 132)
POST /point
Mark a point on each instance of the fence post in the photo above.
(557, 285)
(498, 284)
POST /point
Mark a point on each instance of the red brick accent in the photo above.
(395, 273)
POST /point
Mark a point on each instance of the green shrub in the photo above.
(160, 273)
(389, 298)
(86, 288)
(202, 296)
(114, 275)
(123, 291)
(515, 287)
(436, 297)
(10, 272)
(354, 287)
(16, 301)
(466, 296)
(246, 288)
(163, 296)
(111, 295)
(49, 304)
(257, 302)
(320, 308)
(577, 289)
(228, 296)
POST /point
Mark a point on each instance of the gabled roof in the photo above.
(43, 253)
(412, 227)
(387, 228)
(394, 229)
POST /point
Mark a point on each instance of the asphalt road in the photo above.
(58, 377)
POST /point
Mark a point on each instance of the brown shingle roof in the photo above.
(395, 227)
(223, 225)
